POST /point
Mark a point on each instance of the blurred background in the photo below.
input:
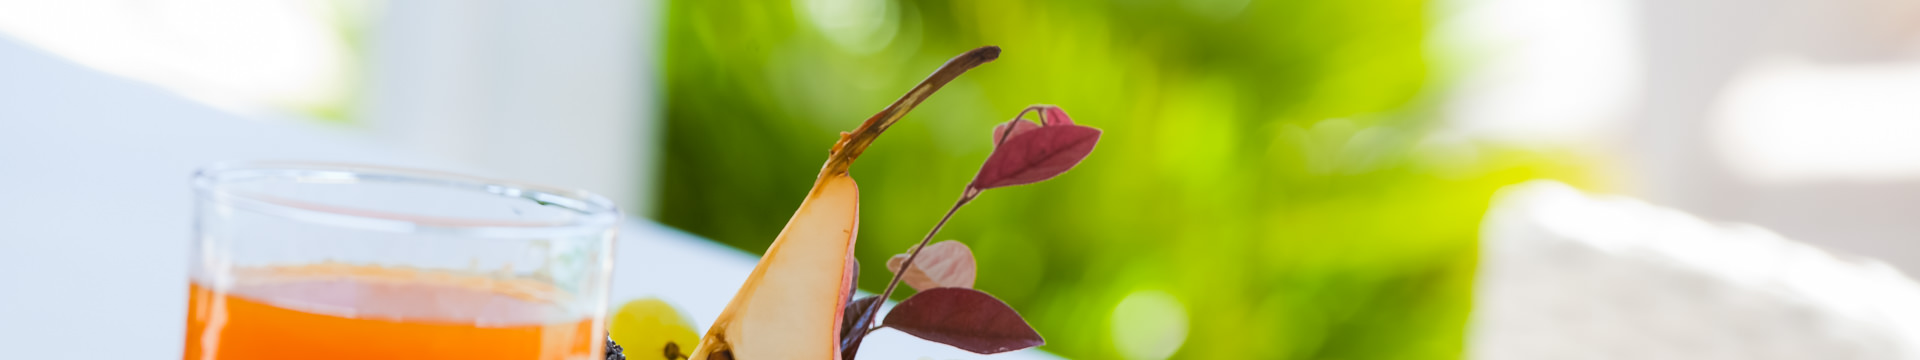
(1278, 179)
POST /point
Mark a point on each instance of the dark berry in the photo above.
(613, 350)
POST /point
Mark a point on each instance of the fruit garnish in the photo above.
(791, 304)
(799, 300)
(649, 328)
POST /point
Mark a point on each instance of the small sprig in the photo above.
(947, 310)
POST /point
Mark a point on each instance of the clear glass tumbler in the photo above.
(330, 261)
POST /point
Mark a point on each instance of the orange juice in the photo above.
(349, 312)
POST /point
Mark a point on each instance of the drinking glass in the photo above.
(333, 261)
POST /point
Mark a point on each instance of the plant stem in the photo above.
(851, 144)
(908, 264)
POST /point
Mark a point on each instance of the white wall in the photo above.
(1801, 116)
(550, 92)
(1697, 146)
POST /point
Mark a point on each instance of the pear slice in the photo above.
(791, 304)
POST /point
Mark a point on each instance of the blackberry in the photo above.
(613, 350)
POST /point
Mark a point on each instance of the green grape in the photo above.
(649, 328)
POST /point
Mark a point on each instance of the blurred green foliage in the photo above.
(1269, 164)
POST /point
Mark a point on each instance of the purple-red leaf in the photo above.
(965, 318)
(1020, 126)
(1036, 155)
(1054, 116)
(852, 277)
(942, 264)
(853, 323)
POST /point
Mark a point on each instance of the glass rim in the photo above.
(596, 212)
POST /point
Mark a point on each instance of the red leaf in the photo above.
(1036, 155)
(1054, 116)
(965, 318)
(1019, 126)
(852, 277)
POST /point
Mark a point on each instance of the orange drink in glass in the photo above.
(318, 261)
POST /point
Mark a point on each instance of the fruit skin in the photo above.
(790, 306)
(647, 327)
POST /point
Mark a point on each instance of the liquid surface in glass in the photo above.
(333, 311)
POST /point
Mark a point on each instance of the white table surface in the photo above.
(95, 208)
